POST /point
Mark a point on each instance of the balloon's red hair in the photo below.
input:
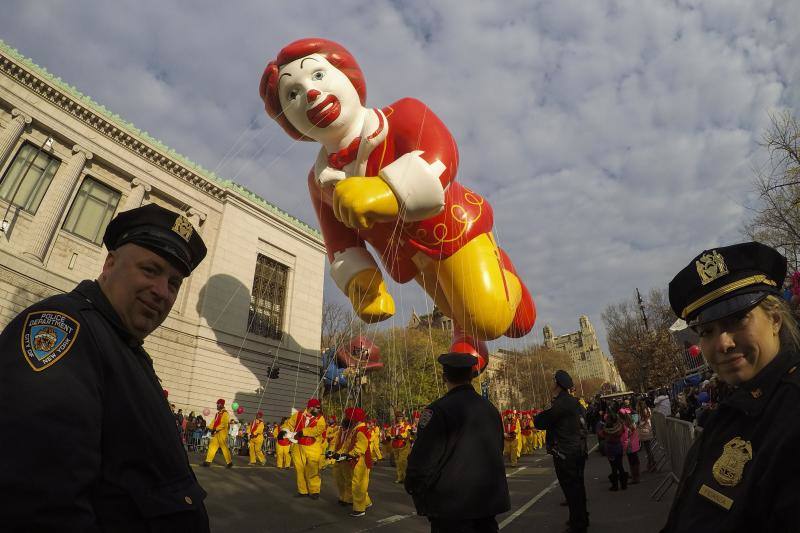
(333, 52)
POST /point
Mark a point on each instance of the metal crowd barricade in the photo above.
(676, 437)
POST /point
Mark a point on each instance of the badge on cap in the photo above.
(710, 266)
(47, 336)
(729, 467)
(183, 227)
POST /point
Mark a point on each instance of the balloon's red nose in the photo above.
(312, 95)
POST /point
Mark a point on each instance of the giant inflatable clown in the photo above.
(387, 177)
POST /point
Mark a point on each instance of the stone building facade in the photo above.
(68, 165)
(588, 358)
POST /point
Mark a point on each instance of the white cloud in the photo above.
(615, 139)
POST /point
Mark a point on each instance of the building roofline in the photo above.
(70, 100)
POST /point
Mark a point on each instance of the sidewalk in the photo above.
(628, 511)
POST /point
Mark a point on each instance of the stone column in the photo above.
(60, 191)
(135, 198)
(12, 133)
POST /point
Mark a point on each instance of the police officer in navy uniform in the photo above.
(100, 452)
(742, 472)
(565, 423)
(455, 473)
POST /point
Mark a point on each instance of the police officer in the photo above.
(104, 454)
(743, 471)
(455, 473)
(565, 423)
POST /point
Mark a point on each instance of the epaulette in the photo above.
(792, 376)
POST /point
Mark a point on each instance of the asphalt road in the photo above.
(261, 499)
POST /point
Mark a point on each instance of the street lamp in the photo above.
(46, 145)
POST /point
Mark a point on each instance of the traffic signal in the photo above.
(274, 372)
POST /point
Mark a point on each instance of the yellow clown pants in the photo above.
(360, 486)
(219, 441)
(401, 461)
(255, 450)
(282, 456)
(510, 450)
(306, 465)
(343, 477)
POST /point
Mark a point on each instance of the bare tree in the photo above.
(777, 219)
(336, 322)
(646, 357)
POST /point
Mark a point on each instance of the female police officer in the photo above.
(743, 472)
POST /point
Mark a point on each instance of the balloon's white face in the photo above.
(316, 97)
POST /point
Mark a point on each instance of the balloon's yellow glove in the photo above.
(367, 293)
(359, 202)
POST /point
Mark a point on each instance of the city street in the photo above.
(261, 499)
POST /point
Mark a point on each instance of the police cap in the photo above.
(457, 360)
(724, 281)
(563, 379)
(161, 231)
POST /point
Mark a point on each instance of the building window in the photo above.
(268, 300)
(92, 210)
(28, 177)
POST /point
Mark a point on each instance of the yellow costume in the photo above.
(361, 451)
(401, 448)
(375, 442)
(256, 441)
(219, 437)
(282, 447)
(342, 472)
(510, 436)
(306, 452)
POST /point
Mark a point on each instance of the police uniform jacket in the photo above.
(742, 472)
(456, 470)
(564, 423)
(95, 447)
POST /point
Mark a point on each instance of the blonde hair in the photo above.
(789, 333)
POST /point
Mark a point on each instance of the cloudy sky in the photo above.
(614, 139)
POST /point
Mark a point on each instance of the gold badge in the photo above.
(183, 227)
(728, 468)
(710, 266)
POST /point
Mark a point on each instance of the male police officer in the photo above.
(565, 423)
(103, 453)
(455, 472)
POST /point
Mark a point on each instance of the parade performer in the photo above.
(283, 445)
(386, 440)
(517, 420)
(359, 450)
(401, 445)
(342, 471)
(256, 440)
(510, 431)
(219, 436)
(374, 440)
(387, 177)
(331, 437)
(307, 427)
(527, 433)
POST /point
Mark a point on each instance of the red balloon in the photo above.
(239, 410)
(694, 350)
(206, 411)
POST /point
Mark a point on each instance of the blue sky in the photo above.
(614, 139)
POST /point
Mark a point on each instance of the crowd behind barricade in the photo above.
(196, 433)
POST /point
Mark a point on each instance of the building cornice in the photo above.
(71, 101)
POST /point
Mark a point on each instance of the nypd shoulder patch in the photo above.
(47, 336)
(427, 414)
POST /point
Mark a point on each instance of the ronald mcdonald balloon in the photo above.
(387, 177)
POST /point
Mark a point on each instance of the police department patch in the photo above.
(47, 336)
(427, 414)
